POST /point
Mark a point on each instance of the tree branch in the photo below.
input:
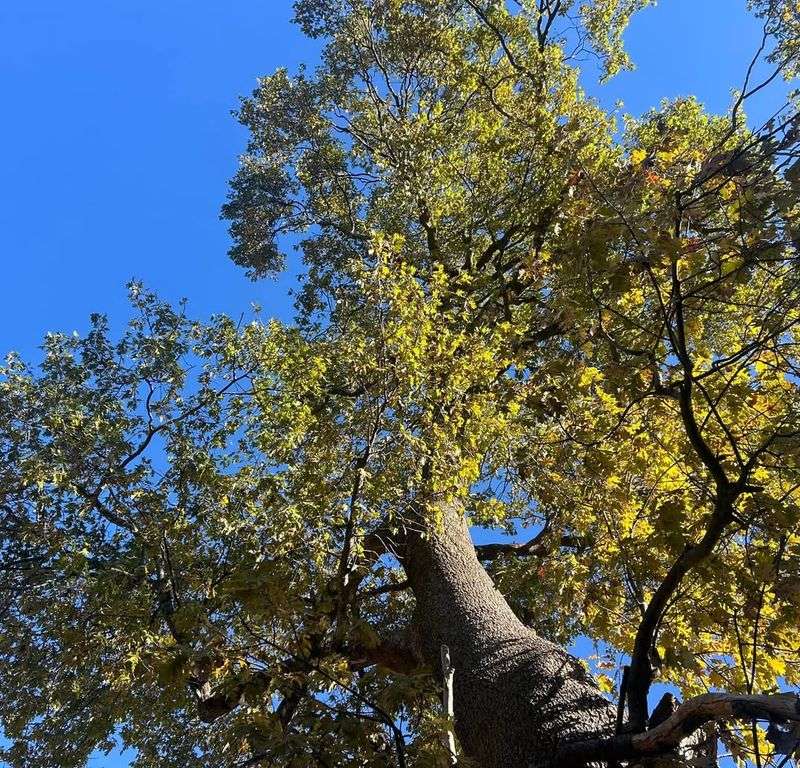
(641, 671)
(688, 718)
(538, 546)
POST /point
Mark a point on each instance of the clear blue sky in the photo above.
(117, 143)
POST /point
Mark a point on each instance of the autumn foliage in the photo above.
(515, 304)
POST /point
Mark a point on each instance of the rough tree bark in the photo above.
(517, 696)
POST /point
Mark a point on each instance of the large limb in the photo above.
(686, 720)
(641, 671)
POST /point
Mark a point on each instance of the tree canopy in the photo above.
(218, 539)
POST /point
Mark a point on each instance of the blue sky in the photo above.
(118, 142)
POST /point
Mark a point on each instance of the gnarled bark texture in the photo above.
(517, 695)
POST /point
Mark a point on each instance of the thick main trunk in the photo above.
(517, 695)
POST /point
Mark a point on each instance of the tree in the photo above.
(249, 544)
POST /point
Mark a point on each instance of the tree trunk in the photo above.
(517, 695)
